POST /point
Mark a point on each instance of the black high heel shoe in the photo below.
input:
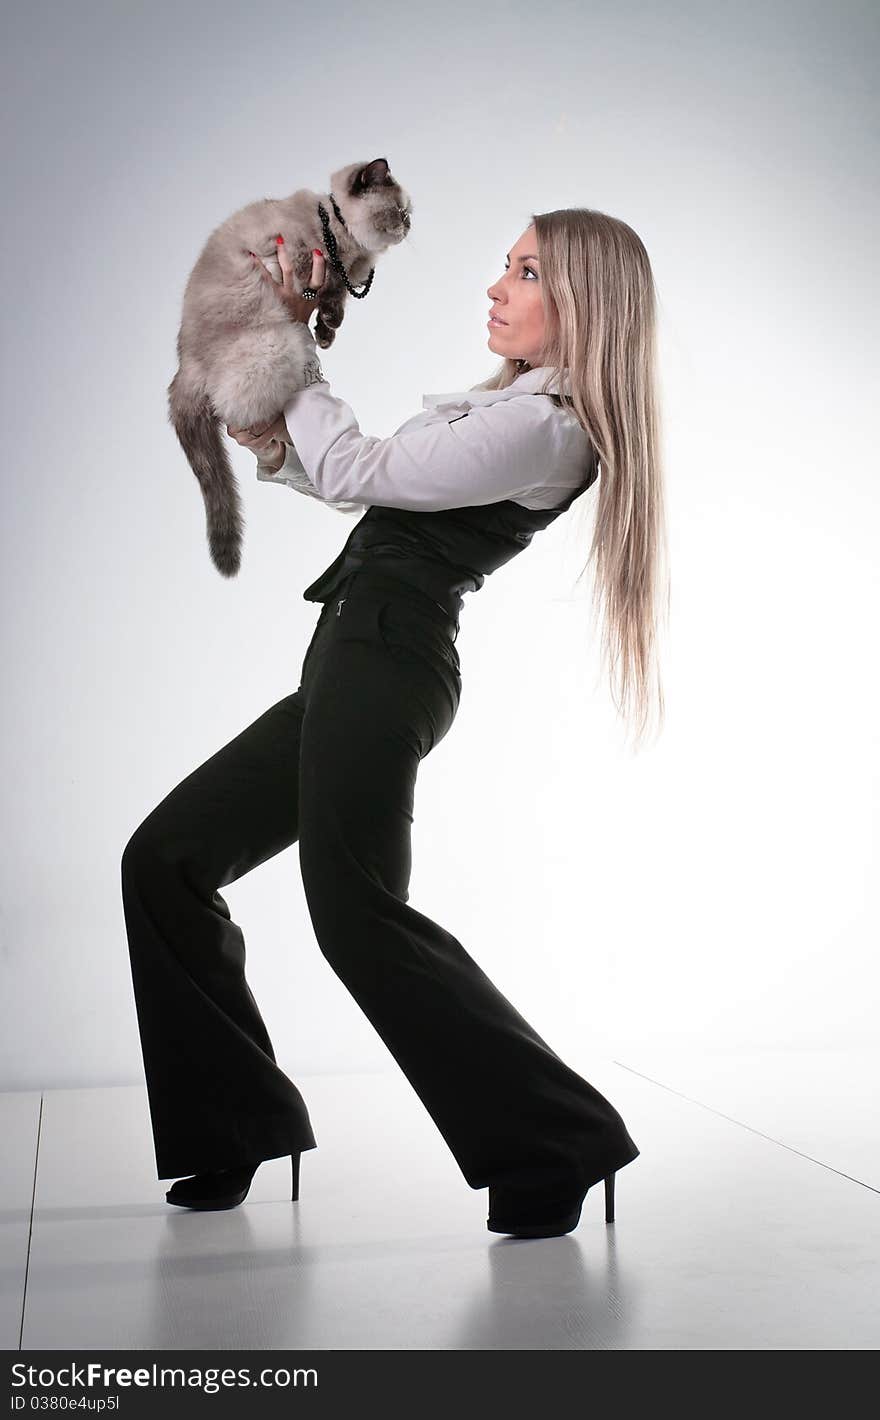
(549, 1221)
(224, 1189)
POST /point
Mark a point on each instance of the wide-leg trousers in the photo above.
(333, 768)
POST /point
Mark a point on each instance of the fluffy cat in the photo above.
(240, 356)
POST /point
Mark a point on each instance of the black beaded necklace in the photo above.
(333, 253)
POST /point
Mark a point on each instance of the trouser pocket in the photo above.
(406, 632)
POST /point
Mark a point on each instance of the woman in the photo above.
(451, 496)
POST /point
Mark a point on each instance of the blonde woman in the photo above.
(456, 492)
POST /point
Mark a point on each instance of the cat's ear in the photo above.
(371, 176)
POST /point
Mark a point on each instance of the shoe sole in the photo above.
(553, 1229)
(208, 1205)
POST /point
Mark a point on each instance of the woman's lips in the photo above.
(492, 321)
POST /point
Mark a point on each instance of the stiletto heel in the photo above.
(609, 1197)
(294, 1174)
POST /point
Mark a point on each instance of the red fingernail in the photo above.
(316, 251)
(280, 239)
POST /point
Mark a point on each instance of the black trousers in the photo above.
(333, 768)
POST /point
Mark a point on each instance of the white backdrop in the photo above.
(716, 891)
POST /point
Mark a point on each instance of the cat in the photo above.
(240, 356)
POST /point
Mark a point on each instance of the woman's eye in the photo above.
(525, 268)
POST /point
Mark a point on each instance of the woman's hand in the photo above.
(261, 441)
(298, 307)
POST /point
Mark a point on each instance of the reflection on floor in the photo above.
(750, 1221)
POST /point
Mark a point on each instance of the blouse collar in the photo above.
(529, 382)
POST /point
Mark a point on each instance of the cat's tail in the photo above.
(196, 425)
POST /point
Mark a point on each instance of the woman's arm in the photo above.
(498, 451)
(508, 449)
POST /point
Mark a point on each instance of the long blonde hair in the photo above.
(600, 331)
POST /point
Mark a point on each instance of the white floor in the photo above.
(750, 1221)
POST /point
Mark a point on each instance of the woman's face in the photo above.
(517, 300)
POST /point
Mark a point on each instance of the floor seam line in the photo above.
(778, 1142)
(27, 1261)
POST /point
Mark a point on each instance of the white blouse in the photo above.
(464, 449)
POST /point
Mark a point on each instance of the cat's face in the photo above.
(517, 300)
(377, 210)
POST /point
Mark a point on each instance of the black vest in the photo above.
(445, 553)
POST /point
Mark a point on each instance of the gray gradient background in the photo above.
(717, 891)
